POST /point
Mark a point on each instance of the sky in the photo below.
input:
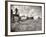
(28, 10)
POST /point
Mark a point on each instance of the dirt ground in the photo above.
(27, 25)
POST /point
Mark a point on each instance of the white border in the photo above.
(30, 32)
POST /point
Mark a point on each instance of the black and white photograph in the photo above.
(25, 18)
